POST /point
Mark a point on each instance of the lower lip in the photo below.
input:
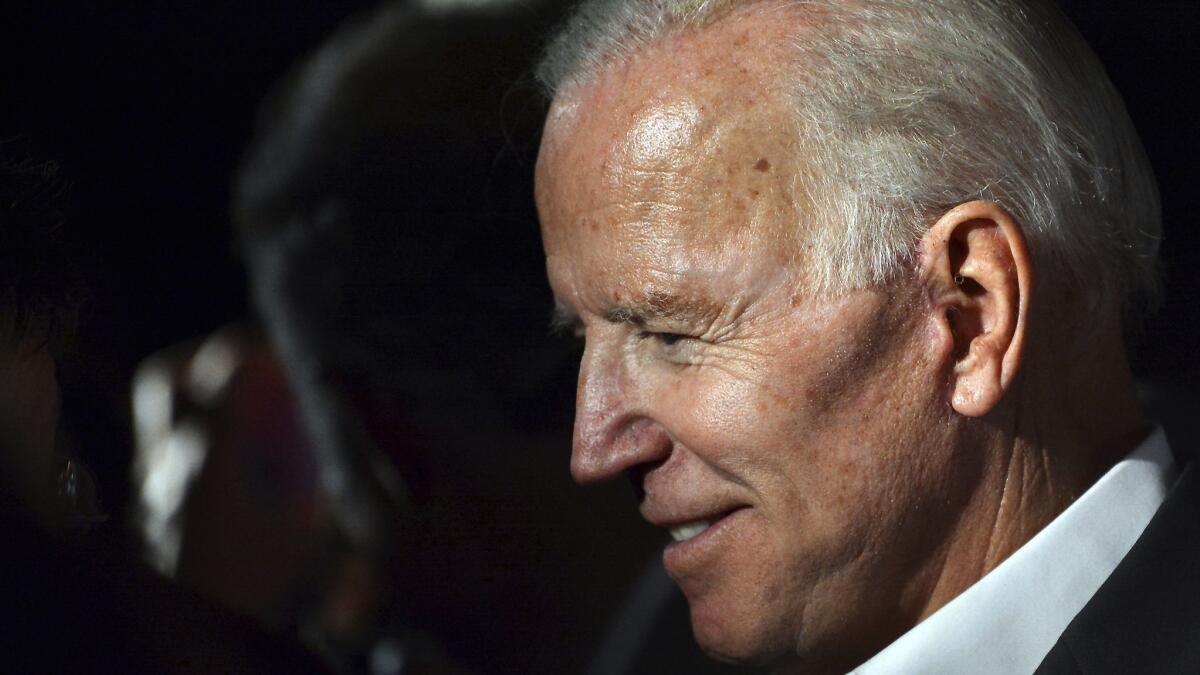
(681, 556)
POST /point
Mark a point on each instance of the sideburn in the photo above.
(860, 358)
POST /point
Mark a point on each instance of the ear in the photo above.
(977, 271)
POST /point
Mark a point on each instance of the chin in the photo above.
(743, 633)
(738, 634)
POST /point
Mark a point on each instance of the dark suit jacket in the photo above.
(1146, 616)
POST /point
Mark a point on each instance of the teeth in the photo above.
(685, 532)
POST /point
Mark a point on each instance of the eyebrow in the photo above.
(657, 305)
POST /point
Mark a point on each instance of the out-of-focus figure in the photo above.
(39, 297)
(379, 466)
(74, 601)
(227, 393)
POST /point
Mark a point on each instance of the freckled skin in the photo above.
(776, 403)
(864, 502)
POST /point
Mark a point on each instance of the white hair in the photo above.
(905, 108)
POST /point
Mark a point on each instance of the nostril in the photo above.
(637, 478)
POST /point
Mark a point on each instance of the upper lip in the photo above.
(668, 518)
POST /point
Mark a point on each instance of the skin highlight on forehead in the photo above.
(706, 145)
(659, 134)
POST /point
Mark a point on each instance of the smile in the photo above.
(691, 529)
(696, 542)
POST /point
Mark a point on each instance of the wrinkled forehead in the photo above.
(692, 132)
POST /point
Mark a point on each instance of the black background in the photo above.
(147, 107)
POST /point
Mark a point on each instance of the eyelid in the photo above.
(668, 338)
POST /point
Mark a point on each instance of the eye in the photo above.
(665, 339)
(675, 348)
(669, 339)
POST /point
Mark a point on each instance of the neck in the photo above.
(1051, 440)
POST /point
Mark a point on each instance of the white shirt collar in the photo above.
(1007, 621)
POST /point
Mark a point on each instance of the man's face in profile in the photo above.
(795, 444)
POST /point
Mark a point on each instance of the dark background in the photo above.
(147, 107)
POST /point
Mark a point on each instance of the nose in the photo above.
(614, 429)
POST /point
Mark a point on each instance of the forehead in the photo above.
(683, 150)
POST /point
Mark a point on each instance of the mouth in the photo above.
(689, 530)
(697, 541)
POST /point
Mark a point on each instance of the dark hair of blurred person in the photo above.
(376, 220)
(379, 209)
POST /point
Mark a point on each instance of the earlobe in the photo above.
(978, 381)
(979, 276)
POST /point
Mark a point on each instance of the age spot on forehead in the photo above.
(762, 164)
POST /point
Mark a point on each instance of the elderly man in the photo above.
(851, 278)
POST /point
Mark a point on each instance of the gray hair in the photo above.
(905, 108)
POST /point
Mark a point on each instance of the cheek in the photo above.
(875, 458)
(722, 417)
(836, 439)
(756, 434)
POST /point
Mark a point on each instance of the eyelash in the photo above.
(667, 339)
(573, 329)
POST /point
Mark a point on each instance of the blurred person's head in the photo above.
(845, 271)
(376, 209)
